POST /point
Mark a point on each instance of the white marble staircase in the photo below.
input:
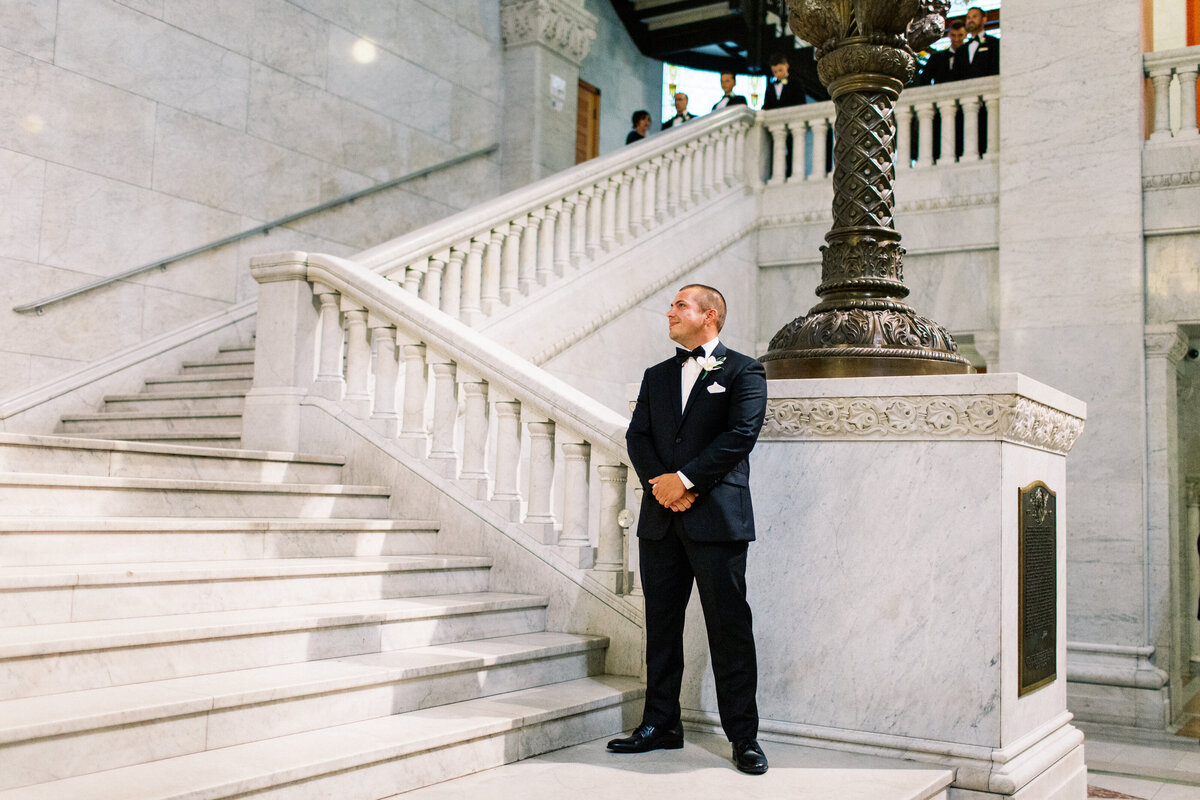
(183, 620)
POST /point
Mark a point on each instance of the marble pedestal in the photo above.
(884, 580)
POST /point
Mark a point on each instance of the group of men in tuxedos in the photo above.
(780, 93)
(972, 52)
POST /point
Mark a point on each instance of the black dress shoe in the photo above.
(748, 757)
(649, 737)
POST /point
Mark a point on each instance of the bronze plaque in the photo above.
(1037, 588)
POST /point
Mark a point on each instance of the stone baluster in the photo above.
(649, 193)
(576, 469)
(779, 134)
(635, 574)
(948, 109)
(925, 134)
(1161, 80)
(546, 237)
(820, 131)
(538, 513)
(903, 115)
(739, 154)
(489, 292)
(329, 383)
(358, 362)
(442, 456)
(431, 287)
(383, 341)
(729, 170)
(562, 242)
(508, 455)
(472, 282)
(412, 424)
(696, 162)
(608, 223)
(475, 437)
(610, 552)
(718, 177)
(662, 192)
(992, 103)
(579, 227)
(637, 196)
(510, 262)
(674, 182)
(1187, 101)
(452, 282)
(797, 173)
(529, 253)
(709, 150)
(595, 220)
(621, 228)
(686, 156)
(970, 107)
(413, 274)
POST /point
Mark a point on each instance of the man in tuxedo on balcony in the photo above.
(946, 65)
(782, 92)
(728, 79)
(983, 51)
(682, 115)
(697, 417)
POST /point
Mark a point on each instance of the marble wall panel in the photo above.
(300, 117)
(461, 186)
(373, 220)
(478, 16)
(51, 113)
(14, 372)
(390, 85)
(99, 226)
(22, 182)
(271, 32)
(1172, 280)
(1104, 601)
(27, 26)
(116, 45)
(474, 120)
(153, 8)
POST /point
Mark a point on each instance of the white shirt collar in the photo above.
(710, 346)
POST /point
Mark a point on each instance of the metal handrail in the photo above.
(39, 306)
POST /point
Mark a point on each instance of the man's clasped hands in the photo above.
(670, 492)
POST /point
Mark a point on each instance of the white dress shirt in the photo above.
(690, 373)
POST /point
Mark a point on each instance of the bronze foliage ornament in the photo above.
(861, 326)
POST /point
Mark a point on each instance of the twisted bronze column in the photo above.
(865, 56)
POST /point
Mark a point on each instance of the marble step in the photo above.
(109, 540)
(116, 423)
(38, 660)
(89, 456)
(229, 365)
(42, 595)
(231, 440)
(233, 355)
(374, 758)
(54, 737)
(32, 494)
(218, 400)
(202, 383)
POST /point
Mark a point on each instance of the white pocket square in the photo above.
(715, 388)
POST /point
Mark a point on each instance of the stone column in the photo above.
(544, 43)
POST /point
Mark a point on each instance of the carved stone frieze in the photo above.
(1171, 180)
(561, 25)
(1166, 342)
(1002, 417)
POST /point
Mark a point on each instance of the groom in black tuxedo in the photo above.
(697, 418)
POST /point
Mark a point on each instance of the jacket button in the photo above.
(678, 440)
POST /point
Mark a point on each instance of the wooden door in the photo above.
(587, 123)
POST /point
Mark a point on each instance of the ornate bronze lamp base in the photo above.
(862, 326)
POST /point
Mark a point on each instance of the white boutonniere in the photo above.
(710, 364)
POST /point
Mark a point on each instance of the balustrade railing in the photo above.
(475, 412)
(1173, 70)
(947, 123)
(475, 264)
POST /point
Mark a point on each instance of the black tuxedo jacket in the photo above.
(709, 442)
(986, 61)
(675, 120)
(734, 100)
(792, 95)
(943, 66)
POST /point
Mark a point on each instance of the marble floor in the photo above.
(1153, 767)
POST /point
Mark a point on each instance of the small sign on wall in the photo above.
(558, 92)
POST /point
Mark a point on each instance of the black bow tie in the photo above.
(681, 355)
